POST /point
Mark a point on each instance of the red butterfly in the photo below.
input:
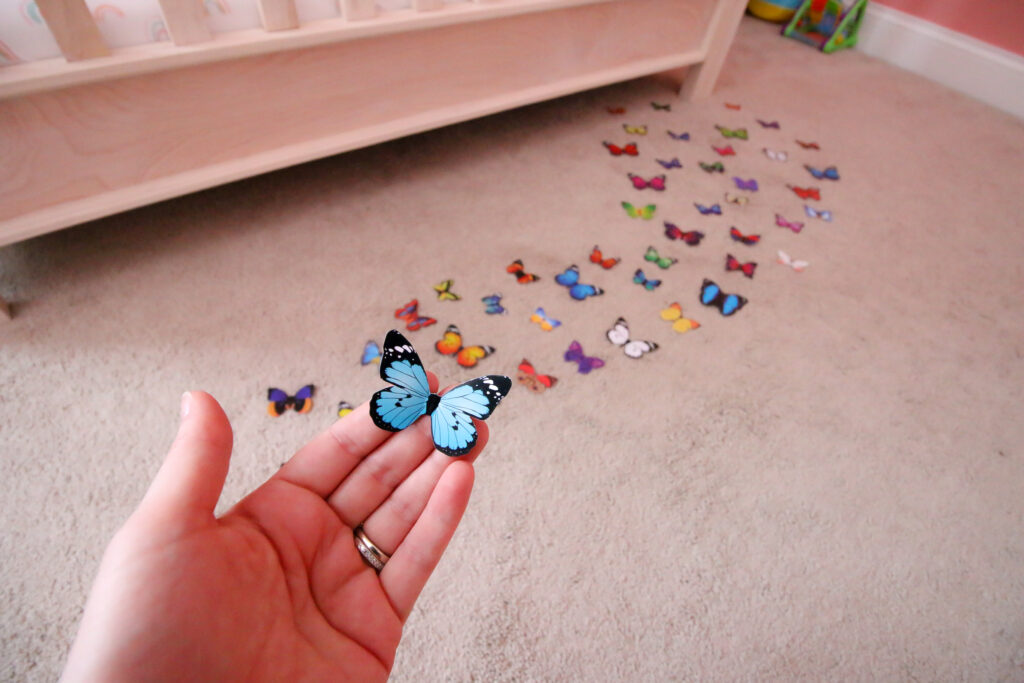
(808, 145)
(516, 268)
(692, 237)
(616, 110)
(410, 314)
(734, 107)
(629, 150)
(806, 192)
(655, 183)
(731, 263)
(533, 380)
(727, 151)
(745, 239)
(599, 259)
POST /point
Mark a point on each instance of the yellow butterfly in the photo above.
(645, 212)
(635, 130)
(444, 292)
(344, 408)
(674, 314)
(730, 197)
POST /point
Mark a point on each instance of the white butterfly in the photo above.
(733, 199)
(775, 156)
(785, 260)
(824, 214)
(634, 348)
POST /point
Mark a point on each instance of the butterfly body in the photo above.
(444, 292)
(692, 237)
(410, 314)
(466, 356)
(533, 380)
(570, 278)
(517, 270)
(492, 304)
(641, 279)
(662, 262)
(616, 151)
(633, 348)
(541, 318)
(712, 295)
(732, 263)
(409, 398)
(279, 401)
(585, 363)
(680, 323)
(597, 257)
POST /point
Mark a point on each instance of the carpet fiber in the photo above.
(825, 486)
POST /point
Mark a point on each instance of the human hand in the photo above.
(274, 589)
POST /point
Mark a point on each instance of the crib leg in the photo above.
(700, 80)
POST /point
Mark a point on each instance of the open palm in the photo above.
(275, 589)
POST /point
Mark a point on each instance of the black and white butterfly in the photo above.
(634, 348)
(451, 415)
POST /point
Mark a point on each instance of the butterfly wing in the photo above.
(277, 402)
(450, 342)
(408, 311)
(398, 406)
(344, 408)
(581, 291)
(619, 333)
(637, 348)
(451, 423)
(569, 277)
(304, 399)
(371, 353)
(673, 312)
(469, 356)
(692, 237)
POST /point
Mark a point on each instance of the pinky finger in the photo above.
(412, 563)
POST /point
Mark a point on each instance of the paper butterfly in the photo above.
(616, 110)
(716, 167)
(522, 277)
(597, 257)
(571, 279)
(783, 223)
(739, 133)
(775, 156)
(628, 150)
(655, 183)
(492, 304)
(451, 345)
(541, 318)
(674, 163)
(808, 145)
(823, 215)
(661, 107)
(635, 130)
(742, 184)
(705, 210)
(371, 353)
(533, 380)
(451, 415)
(645, 212)
(745, 239)
(444, 292)
(806, 192)
(344, 408)
(766, 124)
(279, 401)
(726, 151)
(585, 363)
(829, 173)
(679, 136)
(712, 295)
(634, 348)
(785, 260)
(660, 261)
(736, 199)
(413, 320)
(693, 237)
(674, 315)
(641, 279)
(734, 107)
(732, 263)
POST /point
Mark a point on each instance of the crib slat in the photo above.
(357, 10)
(186, 21)
(278, 15)
(426, 5)
(72, 25)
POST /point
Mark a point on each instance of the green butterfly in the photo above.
(740, 133)
(645, 212)
(711, 168)
(660, 261)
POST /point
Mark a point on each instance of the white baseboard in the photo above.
(985, 72)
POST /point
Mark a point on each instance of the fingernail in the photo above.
(186, 404)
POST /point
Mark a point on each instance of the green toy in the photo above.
(826, 24)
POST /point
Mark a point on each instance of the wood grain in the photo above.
(73, 28)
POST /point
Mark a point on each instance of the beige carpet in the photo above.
(826, 486)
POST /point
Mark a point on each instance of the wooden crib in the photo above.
(104, 130)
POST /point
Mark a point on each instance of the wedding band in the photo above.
(372, 555)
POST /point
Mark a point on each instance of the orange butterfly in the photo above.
(516, 268)
(808, 145)
(599, 259)
(616, 110)
(467, 356)
(806, 192)
(533, 380)
(734, 107)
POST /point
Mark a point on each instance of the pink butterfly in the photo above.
(655, 183)
(783, 223)
(724, 151)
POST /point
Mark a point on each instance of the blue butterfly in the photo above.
(492, 304)
(705, 210)
(829, 173)
(712, 295)
(679, 136)
(674, 163)
(371, 353)
(571, 279)
(641, 279)
(451, 415)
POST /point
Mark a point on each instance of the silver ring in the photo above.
(372, 555)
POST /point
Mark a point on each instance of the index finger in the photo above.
(323, 463)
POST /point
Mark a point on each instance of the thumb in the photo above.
(193, 473)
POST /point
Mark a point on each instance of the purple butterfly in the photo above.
(681, 136)
(765, 124)
(586, 363)
(742, 184)
(705, 210)
(783, 223)
(670, 164)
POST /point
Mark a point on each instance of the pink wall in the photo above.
(999, 22)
